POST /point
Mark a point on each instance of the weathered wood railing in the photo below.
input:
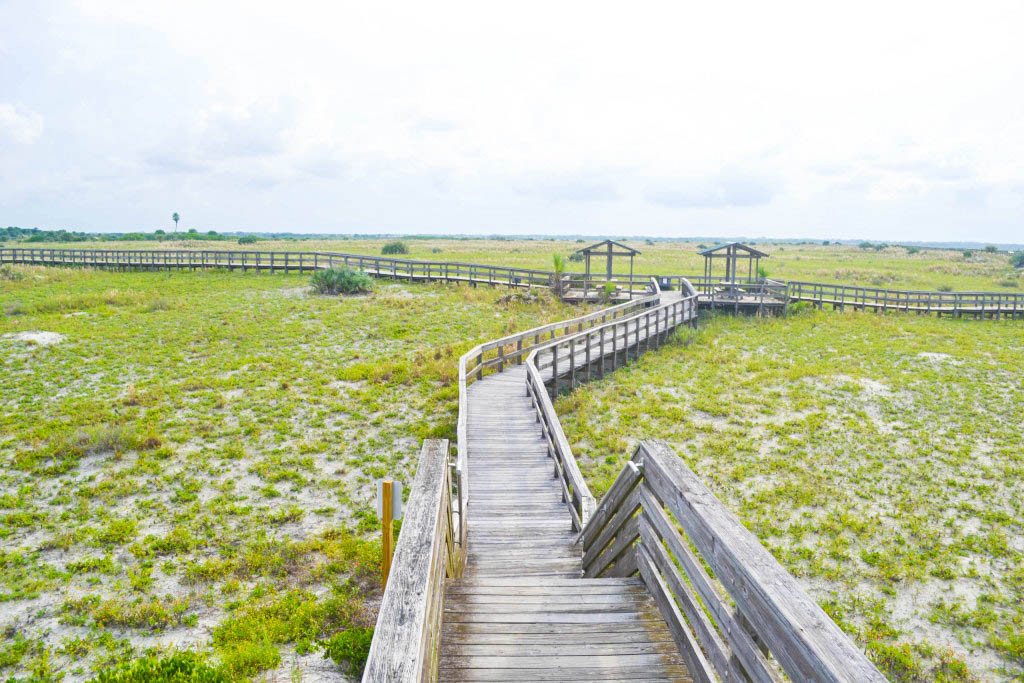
(495, 356)
(274, 261)
(589, 349)
(283, 261)
(702, 283)
(407, 638)
(578, 287)
(979, 304)
(655, 520)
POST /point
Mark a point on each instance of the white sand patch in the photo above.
(295, 292)
(937, 358)
(35, 337)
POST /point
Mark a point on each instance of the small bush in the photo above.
(351, 645)
(913, 250)
(1017, 260)
(576, 257)
(1008, 282)
(396, 247)
(180, 667)
(248, 239)
(968, 253)
(435, 250)
(992, 249)
(945, 288)
(341, 281)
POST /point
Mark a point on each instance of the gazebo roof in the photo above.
(608, 247)
(750, 251)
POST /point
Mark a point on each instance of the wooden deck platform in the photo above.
(522, 611)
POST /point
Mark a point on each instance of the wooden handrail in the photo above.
(978, 303)
(472, 366)
(591, 349)
(407, 638)
(631, 532)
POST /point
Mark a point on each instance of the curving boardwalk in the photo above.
(522, 611)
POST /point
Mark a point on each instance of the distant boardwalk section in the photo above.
(750, 295)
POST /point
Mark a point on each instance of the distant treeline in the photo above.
(16, 234)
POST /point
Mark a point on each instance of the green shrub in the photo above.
(248, 239)
(341, 281)
(992, 249)
(1017, 259)
(576, 257)
(608, 292)
(968, 253)
(351, 645)
(913, 250)
(179, 667)
(396, 247)
(945, 288)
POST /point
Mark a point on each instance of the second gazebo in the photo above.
(732, 253)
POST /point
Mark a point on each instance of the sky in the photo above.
(874, 120)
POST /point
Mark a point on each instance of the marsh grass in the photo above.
(876, 456)
(138, 457)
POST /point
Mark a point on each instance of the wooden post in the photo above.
(387, 535)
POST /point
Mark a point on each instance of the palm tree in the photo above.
(175, 217)
(557, 285)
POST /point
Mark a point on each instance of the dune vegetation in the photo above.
(187, 459)
(878, 457)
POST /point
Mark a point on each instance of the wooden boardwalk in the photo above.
(522, 611)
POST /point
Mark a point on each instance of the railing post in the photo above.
(572, 363)
(602, 352)
(554, 371)
(590, 367)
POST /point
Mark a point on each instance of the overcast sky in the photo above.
(888, 120)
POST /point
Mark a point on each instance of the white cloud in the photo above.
(465, 117)
(19, 125)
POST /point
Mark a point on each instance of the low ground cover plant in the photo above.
(192, 462)
(876, 456)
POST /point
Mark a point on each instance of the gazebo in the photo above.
(732, 253)
(607, 249)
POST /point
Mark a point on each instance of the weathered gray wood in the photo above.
(619, 489)
(407, 636)
(696, 663)
(594, 561)
(757, 669)
(807, 644)
(710, 642)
